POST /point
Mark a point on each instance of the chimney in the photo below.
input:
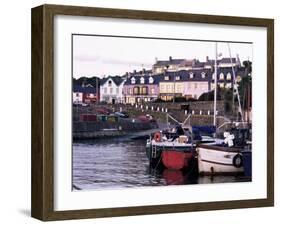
(143, 70)
(170, 58)
(207, 58)
(156, 60)
(135, 71)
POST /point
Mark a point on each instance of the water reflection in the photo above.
(119, 163)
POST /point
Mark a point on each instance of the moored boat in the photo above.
(219, 160)
(173, 154)
(174, 149)
(227, 158)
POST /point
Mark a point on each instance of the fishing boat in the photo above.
(173, 154)
(226, 158)
(174, 148)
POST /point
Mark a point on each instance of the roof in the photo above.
(185, 75)
(168, 62)
(227, 60)
(156, 79)
(189, 75)
(187, 63)
(81, 89)
(116, 79)
(210, 62)
(199, 64)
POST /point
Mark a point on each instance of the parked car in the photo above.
(121, 114)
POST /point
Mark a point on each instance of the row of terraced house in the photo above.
(169, 79)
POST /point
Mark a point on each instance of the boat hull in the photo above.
(155, 150)
(219, 160)
(176, 160)
(247, 163)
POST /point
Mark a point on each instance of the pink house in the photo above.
(141, 88)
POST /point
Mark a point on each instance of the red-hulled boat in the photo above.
(176, 160)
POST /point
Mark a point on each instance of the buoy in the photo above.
(157, 137)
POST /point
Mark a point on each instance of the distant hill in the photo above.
(86, 80)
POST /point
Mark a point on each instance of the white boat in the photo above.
(226, 158)
(219, 160)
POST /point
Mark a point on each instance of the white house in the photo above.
(84, 94)
(111, 89)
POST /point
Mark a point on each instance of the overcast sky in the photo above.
(99, 56)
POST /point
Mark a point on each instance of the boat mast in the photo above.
(215, 91)
(236, 91)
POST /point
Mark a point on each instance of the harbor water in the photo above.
(122, 163)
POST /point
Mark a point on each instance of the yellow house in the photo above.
(168, 89)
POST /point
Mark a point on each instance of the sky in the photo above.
(103, 56)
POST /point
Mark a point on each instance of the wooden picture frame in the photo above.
(42, 203)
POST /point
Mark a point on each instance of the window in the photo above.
(166, 78)
(162, 87)
(221, 76)
(213, 76)
(203, 74)
(133, 80)
(109, 83)
(178, 78)
(144, 90)
(228, 76)
(191, 75)
(130, 91)
(222, 85)
(151, 80)
(77, 94)
(169, 89)
(142, 80)
(152, 90)
(136, 90)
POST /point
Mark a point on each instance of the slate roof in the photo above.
(116, 79)
(210, 62)
(156, 79)
(227, 60)
(199, 64)
(187, 63)
(81, 89)
(169, 62)
(185, 75)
